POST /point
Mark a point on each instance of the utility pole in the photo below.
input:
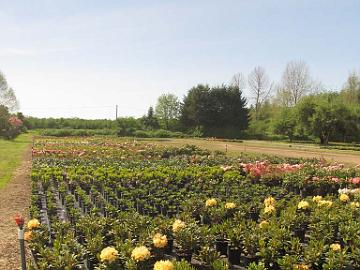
(116, 114)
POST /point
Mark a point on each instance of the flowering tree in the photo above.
(10, 125)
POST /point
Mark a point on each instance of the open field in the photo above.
(11, 154)
(296, 150)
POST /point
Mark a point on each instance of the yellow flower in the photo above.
(317, 198)
(263, 224)
(27, 235)
(269, 201)
(335, 247)
(269, 209)
(33, 224)
(355, 205)
(163, 265)
(109, 254)
(325, 203)
(301, 267)
(303, 205)
(140, 254)
(210, 202)
(230, 205)
(344, 198)
(160, 240)
(178, 225)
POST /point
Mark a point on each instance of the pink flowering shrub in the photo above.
(15, 122)
(12, 128)
(265, 168)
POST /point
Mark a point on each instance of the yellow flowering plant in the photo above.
(355, 205)
(163, 265)
(301, 267)
(211, 202)
(317, 198)
(160, 241)
(230, 205)
(264, 224)
(335, 247)
(269, 209)
(27, 236)
(269, 201)
(109, 255)
(303, 205)
(140, 254)
(110, 259)
(325, 203)
(187, 239)
(178, 225)
(33, 224)
(344, 198)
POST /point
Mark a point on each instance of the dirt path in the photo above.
(14, 198)
(347, 157)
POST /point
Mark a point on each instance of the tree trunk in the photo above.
(324, 139)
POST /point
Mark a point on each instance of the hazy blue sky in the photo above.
(80, 58)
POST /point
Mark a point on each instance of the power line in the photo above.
(67, 108)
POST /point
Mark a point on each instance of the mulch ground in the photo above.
(14, 198)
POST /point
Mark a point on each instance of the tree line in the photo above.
(295, 108)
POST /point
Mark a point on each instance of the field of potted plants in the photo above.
(103, 203)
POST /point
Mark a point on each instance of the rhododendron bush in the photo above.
(103, 203)
(10, 125)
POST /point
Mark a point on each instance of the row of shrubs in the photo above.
(160, 133)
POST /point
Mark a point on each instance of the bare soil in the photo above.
(14, 198)
(349, 158)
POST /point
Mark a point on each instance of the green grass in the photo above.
(11, 154)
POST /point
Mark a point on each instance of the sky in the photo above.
(72, 58)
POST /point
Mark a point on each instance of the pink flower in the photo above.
(335, 179)
(14, 121)
(355, 180)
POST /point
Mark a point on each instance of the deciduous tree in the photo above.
(260, 88)
(167, 109)
(296, 82)
(7, 95)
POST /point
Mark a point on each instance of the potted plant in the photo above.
(250, 244)
(186, 239)
(234, 235)
(206, 256)
(221, 240)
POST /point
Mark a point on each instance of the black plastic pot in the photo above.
(254, 215)
(186, 257)
(300, 233)
(273, 266)
(234, 255)
(221, 246)
(171, 213)
(205, 219)
(201, 266)
(248, 259)
(169, 247)
(90, 263)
